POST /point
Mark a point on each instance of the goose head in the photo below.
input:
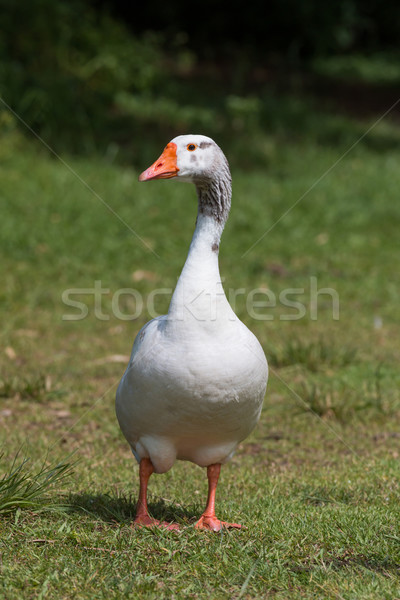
(194, 158)
(199, 160)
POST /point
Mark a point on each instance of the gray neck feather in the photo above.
(214, 194)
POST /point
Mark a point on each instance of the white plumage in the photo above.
(196, 379)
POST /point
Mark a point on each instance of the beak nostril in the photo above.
(160, 164)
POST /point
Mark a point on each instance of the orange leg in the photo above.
(142, 518)
(208, 519)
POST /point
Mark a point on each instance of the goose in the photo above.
(197, 377)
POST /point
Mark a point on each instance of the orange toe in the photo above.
(211, 523)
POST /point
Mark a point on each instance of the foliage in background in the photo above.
(61, 66)
(286, 29)
(85, 83)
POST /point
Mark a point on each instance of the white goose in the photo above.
(197, 376)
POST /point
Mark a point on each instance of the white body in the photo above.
(196, 379)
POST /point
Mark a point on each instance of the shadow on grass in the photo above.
(121, 509)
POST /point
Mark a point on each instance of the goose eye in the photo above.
(191, 147)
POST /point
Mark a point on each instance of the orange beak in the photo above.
(165, 167)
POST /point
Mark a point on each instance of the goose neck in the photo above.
(199, 286)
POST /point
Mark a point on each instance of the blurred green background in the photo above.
(97, 77)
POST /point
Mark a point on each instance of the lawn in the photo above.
(315, 223)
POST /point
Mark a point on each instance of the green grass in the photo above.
(316, 484)
(22, 488)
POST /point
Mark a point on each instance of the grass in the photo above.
(22, 488)
(317, 483)
(313, 354)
